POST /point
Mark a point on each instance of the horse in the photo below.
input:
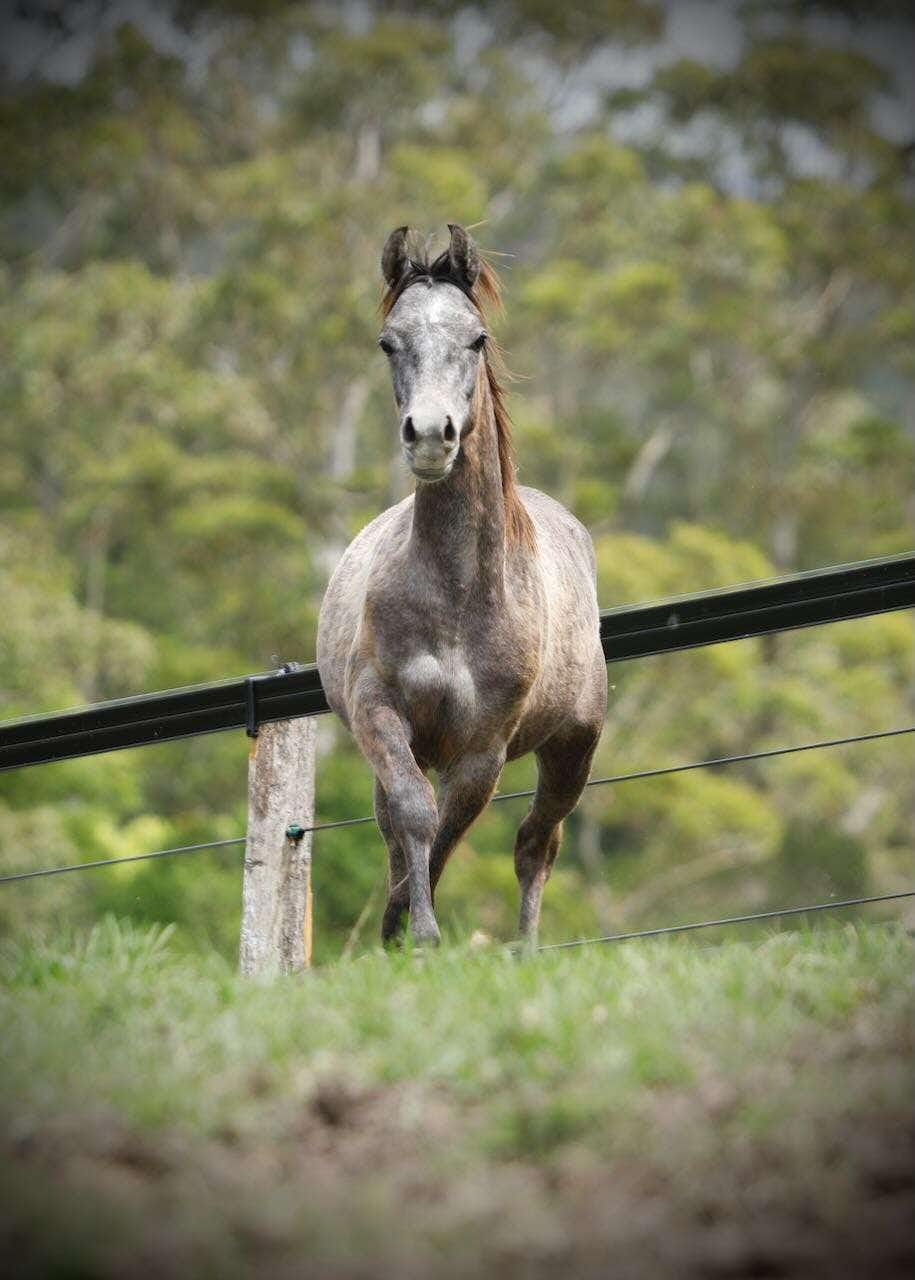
(460, 628)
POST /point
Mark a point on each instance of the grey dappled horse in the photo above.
(460, 629)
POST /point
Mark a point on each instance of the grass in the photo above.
(717, 1108)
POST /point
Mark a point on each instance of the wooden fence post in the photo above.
(276, 922)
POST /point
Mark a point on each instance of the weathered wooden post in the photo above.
(276, 923)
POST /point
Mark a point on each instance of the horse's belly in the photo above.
(439, 696)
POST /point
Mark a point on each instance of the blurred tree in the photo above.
(713, 325)
(835, 199)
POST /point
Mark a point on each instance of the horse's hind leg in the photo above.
(563, 762)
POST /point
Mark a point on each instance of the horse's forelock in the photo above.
(485, 293)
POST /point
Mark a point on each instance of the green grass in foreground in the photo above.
(743, 1084)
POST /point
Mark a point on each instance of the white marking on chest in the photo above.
(443, 676)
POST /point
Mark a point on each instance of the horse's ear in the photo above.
(463, 256)
(394, 259)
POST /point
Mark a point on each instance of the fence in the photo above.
(275, 708)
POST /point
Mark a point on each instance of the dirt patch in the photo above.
(387, 1181)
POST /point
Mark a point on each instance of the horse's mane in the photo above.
(486, 296)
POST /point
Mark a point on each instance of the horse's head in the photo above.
(434, 338)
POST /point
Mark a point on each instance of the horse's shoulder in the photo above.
(357, 566)
(389, 520)
(361, 553)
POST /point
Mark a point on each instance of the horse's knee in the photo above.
(412, 811)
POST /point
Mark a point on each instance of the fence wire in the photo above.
(747, 919)
(117, 862)
(507, 795)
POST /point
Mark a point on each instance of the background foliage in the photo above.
(709, 280)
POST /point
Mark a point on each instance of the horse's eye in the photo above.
(386, 346)
(478, 343)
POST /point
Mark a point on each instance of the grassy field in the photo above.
(651, 1109)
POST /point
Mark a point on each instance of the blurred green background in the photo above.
(706, 212)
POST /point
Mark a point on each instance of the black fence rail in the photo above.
(633, 631)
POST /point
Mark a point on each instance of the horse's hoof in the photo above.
(426, 935)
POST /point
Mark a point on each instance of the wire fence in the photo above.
(726, 920)
(638, 775)
(842, 592)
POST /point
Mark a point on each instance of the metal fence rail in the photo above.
(633, 631)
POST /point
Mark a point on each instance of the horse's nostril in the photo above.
(450, 433)
(409, 431)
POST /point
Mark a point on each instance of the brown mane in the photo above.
(486, 296)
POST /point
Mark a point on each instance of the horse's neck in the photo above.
(459, 523)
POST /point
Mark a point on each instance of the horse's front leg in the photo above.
(397, 907)
(409, 811)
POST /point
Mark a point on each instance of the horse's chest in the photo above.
(438, 685)
(451, 701)
(458, 687)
